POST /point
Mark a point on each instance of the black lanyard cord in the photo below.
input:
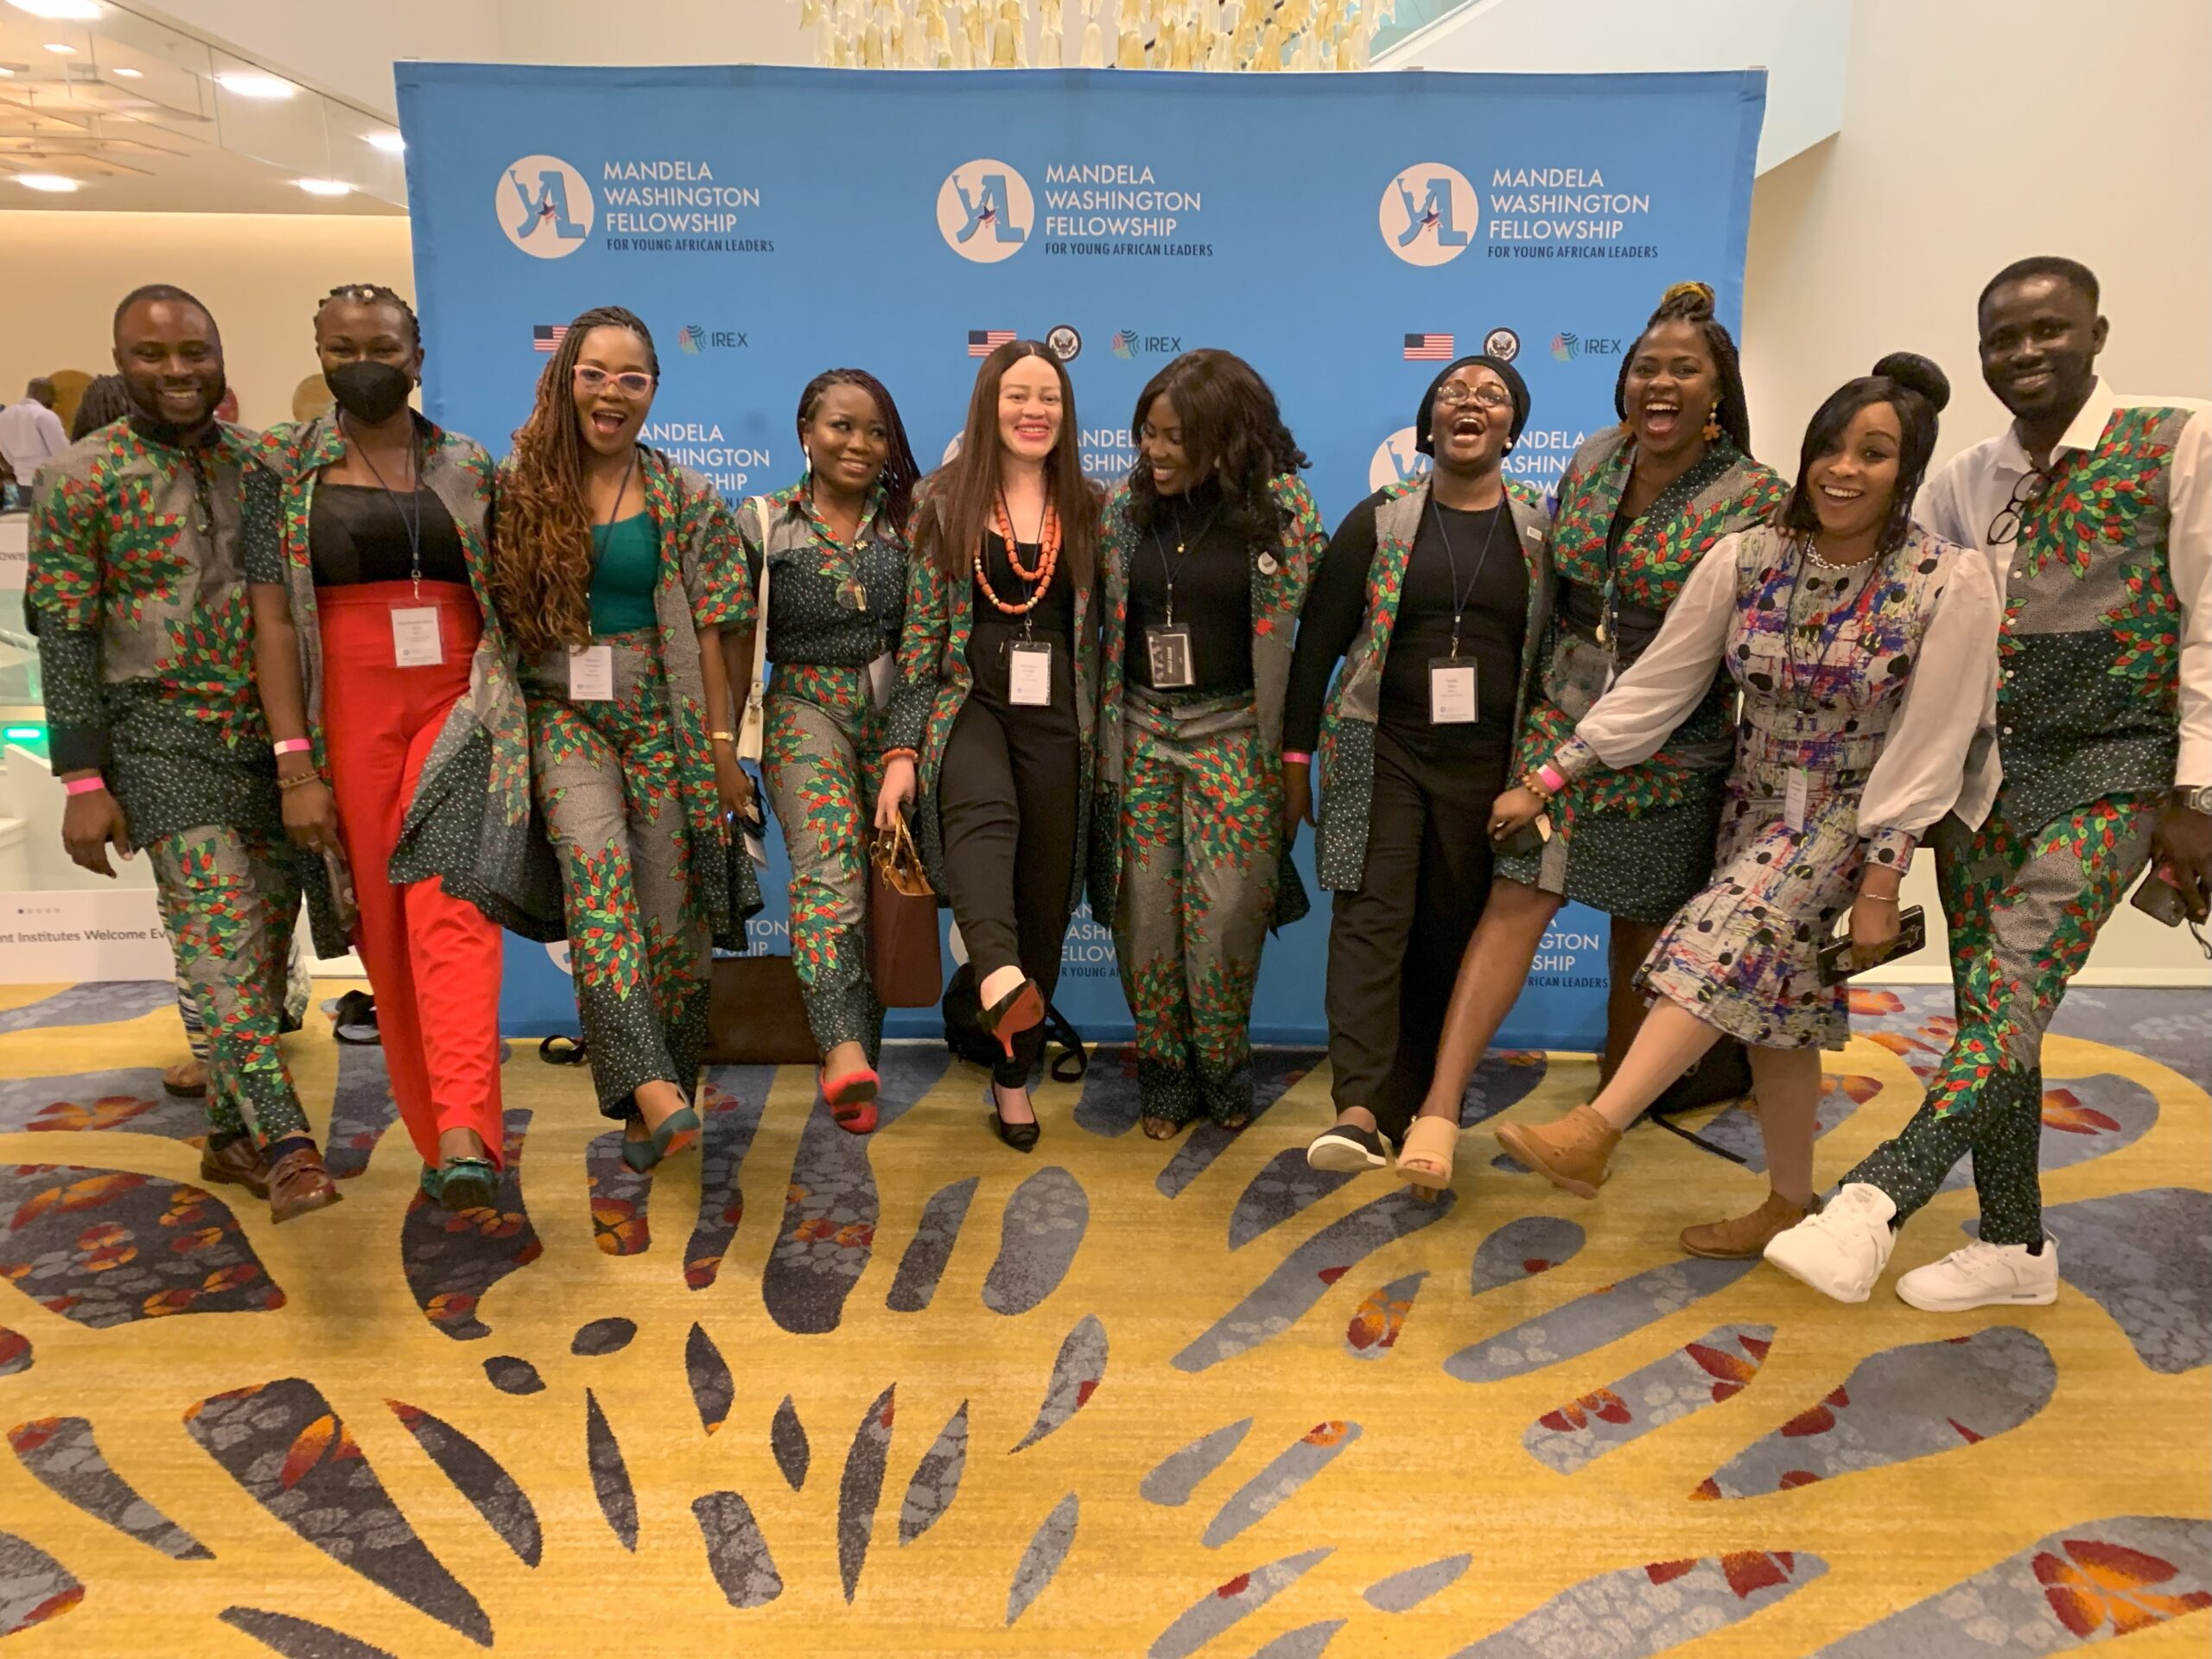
(411, 522)
(1459, 597)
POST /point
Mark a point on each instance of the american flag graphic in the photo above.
(1428, 349)
(982, 343)
(544, 336)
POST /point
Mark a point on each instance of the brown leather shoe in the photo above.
(299, 1183)
(1571, 1154)
(238, 1164)
(1742, 1236)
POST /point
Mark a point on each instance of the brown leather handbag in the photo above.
(755, 1015)
(902, 931)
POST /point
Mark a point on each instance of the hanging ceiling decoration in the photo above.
(1219, 34)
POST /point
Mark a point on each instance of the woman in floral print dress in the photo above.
(1864, 649)
(836, 547)
(1640, 505)
(615, 573)
(1208, 548)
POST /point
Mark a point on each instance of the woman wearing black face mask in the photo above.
(399, 728)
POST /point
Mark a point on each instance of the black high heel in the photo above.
(1022, 1137)
(1016, 1012)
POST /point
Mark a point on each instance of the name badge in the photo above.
(415, 638)
(1796, 798)
(591, 674)
(1169, 650)
(1451, 691)
(883, 679)
(1029, 674)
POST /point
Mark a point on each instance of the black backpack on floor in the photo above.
(965, 1036)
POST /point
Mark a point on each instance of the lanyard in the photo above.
(411, 524)
(1460, 597)
(599, 542)
(1182, 557)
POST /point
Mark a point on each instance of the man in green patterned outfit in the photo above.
(136, 591)
(2096, 512)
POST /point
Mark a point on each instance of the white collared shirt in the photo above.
(1962, 499)
(31, 434)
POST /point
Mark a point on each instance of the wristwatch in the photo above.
(2199, 799)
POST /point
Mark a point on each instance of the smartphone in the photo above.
(1838, 963)
(1528, 838)
(2162, 900)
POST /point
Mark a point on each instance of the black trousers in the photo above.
(1007, 809)
(1394, 942)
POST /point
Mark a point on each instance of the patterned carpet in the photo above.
(1116, 1399)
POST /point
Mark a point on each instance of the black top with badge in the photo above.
(1189, 617)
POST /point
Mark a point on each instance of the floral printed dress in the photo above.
(1635, 843)
(1863, 688)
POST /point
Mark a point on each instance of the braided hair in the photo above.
(105, 401)
(373, 294)
(541, 564)
(901, 472)
(1692, 303)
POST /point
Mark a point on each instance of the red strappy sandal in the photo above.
(852, 1100)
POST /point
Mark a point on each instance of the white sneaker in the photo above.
(1984, 1275)
(1841, 1251)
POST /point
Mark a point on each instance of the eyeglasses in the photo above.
(631, 385)
(2004, 528)
(1452, 393)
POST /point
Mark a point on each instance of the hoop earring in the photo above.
(1711, 427)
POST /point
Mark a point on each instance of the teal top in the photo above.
(624, 568)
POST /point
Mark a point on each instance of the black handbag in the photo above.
(965, 1036)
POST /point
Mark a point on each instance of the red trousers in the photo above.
(433, 959)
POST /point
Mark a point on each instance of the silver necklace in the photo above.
(1813, 557)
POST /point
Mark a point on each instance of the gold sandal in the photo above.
(1425, 1157)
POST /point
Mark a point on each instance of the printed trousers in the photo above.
(229, 901)
(639, 948)
(299, 991)
(2023, 908)
(1200, 838)
(822, 757)
(433, 960)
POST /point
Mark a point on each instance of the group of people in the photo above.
(353, 662)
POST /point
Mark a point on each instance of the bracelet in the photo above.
(304, 777)
(900, 754)
(85, 785)
(1554, 780)
(1535, 786)
(722, 737)
(1880, 898)
(1303, 757)
(294, 745)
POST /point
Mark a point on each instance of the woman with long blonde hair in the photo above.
(616, 571)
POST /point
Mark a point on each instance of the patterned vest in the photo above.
(2090, 653)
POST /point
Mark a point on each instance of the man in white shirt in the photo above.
(2096, 512)
(31, 433)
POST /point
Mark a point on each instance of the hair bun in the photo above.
(1916, 373)
(1688, 302)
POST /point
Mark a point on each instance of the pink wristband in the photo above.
(84, 785)
(1554, 779)
(295, 745)
(1303, 757)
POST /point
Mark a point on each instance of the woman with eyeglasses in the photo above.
(1435, 594)
(1864, 649)
(399, 730)
(616, 572)
(1209, 548)
(834, 546)
(990, 731)
(1640, 505)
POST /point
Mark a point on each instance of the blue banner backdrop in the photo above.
(1347, 234)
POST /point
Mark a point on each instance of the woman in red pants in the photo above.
(399, 728)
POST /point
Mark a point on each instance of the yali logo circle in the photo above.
(544, 206)
(984, 210)
(1429, 213)
(1395, 461)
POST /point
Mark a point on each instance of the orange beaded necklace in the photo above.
(1040, 581)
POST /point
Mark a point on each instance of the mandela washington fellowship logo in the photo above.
(984, 210)
(544, 206)
(1395, 461)
(1429, 213)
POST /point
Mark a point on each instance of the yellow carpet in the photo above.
(919, 1395)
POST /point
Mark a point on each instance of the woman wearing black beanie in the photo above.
(1435, 594)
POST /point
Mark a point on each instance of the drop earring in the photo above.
(1712, 428)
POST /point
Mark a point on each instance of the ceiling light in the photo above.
(325, 187)
(251, 83)
(132, 75)
(75, 11)
(390, 143)
(61, 47)
(54, 183)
